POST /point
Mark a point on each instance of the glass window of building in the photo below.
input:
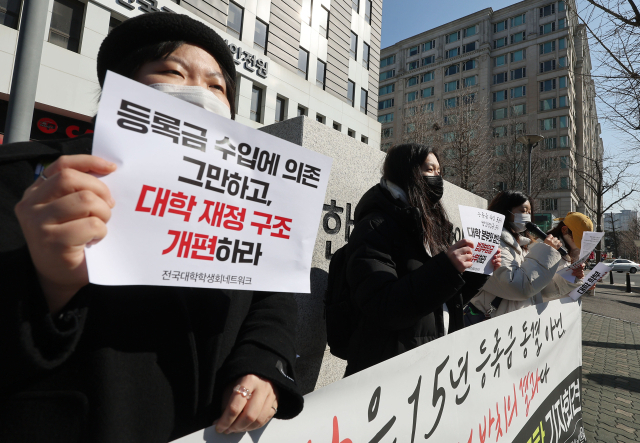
(562, 43)
(387, 133)
(500, 131)
(320, 118)
(561, 6)
(550, 143)
(547, 47)
(499, 43)
(564, 121)
(413, 65)
(351, 133)
(451, 102)
(428, 107)
(563, 101)
(518, 73)
(500, 61)
(280, 109)
(468, 47)
(412, 96)
(387, 61)
(427, 76)
(427, 46)
(385, 118)
(517, 56)
(113, 22)
(364, 96)
(453, 37)
(428, 60)
(548, 10)
(517, 38)
(547, 28)
(321, 70)
(234, 20)
(427, 92)
(337, 126)
(364, 139)
(499, 78)
(518, 20)
(564, 181)
(547, 124)
(470, 81)
(384, 104)
(387, 74)
(66, 24)
(367, 11)
(564, 162)
(548, 85)
(351, 92)
(452, 53)
(260, 36)
(453, 69)
(451, 86)
(518, 110)
(518, 92)
(499, 114)
(303, 63)
(355, 5)
(411, 127)
(548, 65)
(412, 81)
(562, 62)
(471, 30)
(302, 111)
(10, 13)
(563, 141)
(469, 65)
(365, 55)
(323, 21)
(389, 88)
(353, 49)
(563, 82)
(449, 137)
(499, 96)
(256, 104)
(562, 23)
(500, 26)
(414, 50)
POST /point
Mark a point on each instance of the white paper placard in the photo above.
(589, 242)
(201, 200)
(597, 273)
(483, 228)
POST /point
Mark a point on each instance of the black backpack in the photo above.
(341, 317)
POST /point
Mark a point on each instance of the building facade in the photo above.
(619, 221)
(527, 60)
(319, 58)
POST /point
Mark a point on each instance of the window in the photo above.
(550, 143)
(385, 118)
(384, 104)
(562, 62)
(10, 13)
(499, 78)
(260, 36)
(563, 141)
(414, 50)
(427, 76)
(548, 124)
(410, 127)
(565, 182)
(453, 37)
(351, 92)
(549, 204)
(500, 131)
(303, 63)
(548, 10)
(428, 60)
(427, 107)
(520, 91)
(564, 101)
(364, 94)
(387, 74)
(364, 139)
(548, 65)
(548, 85)
(367, 11)
(518, 128)
(355, 5)
(256, 104)
(500, 43)
(468, 99)
(323, 21)
(564, 162)
(353, 49)
(66, 24)
(388, 61)
(562, 43)
(499, 61)
(518, 20)
(413, 65)
(468, 47)
(469, 65)
(280, 109)
(320, 118)
(547, 28)
(547, 47)
(471, 30)
(563, 82)
(302, 111)
(113, 22)
(337, 126)
(427, 46)
(470, 81)
(453, 69)
(411, 82)
(449, 137)
(564, 121)
(499, 114)
(518, 37)
(351, 133)
(518, 110)
(518, 73)
(234, 20)
(499, 96)
(562, 23)
(321, 70)
(548, 104)
(390, 88)
(365, 55)
(451, 86)
(450, 119)
(412, 96)
(500, 26)
(387, 132)
(561, 6)
(451, 102)
(518, 55)
(452, 53)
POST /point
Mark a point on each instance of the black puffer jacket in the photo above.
(396, 286)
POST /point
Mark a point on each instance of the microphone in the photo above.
(541, 235)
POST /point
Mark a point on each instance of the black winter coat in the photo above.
(396, 287)
(128, 363)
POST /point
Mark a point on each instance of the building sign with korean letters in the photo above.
(514, 378)
(202, 201)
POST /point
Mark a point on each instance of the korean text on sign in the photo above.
(483, 228)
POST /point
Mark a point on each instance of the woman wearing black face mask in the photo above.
(406, 281)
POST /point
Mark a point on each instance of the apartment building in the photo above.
(620, 221)
(531, 60)
(317, 58)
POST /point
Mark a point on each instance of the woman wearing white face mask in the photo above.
(528, 272)
(127, 363)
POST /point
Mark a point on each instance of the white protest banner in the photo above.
(483, 228)
(201, 200)
(596, 274)
(588, 243)
(508, 379)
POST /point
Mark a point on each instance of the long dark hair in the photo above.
(402, 167)
(129, 65)
(504, 202)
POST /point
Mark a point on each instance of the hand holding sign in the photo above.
(482, 228)
(461, 254)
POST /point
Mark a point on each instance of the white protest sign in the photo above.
(503, 380)
(201, 200)
(483, 228)
(589, 242)
(591, 279)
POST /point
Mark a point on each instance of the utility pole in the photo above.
(25, 71)
(530, 141)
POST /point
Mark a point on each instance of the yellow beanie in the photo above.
(578, 223)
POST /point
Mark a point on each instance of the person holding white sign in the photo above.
(127, 363)
(569, 231)
(406, 281)
(528, 272)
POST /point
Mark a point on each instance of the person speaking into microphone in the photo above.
(527, 274)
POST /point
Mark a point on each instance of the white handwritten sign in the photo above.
(596, 274)
(201, 200)
(483, 228)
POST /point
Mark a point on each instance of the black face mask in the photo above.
(435, 187)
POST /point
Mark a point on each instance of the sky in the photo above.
(404, 18)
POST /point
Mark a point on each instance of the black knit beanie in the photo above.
(157, 27)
